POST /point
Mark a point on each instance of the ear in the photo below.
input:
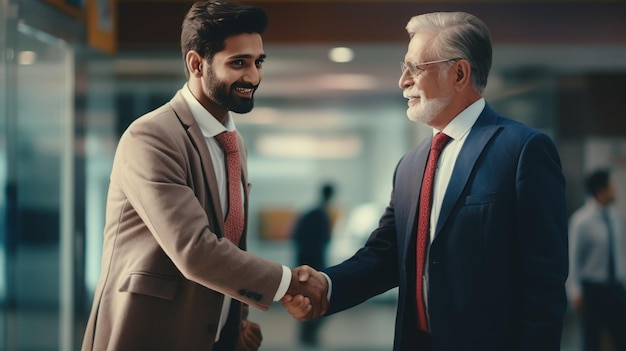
(462, 74)
(194, 63)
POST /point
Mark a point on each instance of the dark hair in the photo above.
(327, 192)
(597, 181)
(209, 23)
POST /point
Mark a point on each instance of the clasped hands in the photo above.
(306, 297)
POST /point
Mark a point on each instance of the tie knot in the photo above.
(439, 141)
(228, 140)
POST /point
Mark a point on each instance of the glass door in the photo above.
(36, 171)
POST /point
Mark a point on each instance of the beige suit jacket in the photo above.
(165, 265)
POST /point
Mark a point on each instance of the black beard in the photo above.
(239, 104)
(226, 98)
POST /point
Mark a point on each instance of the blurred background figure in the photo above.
(595, 284)
(311, 236)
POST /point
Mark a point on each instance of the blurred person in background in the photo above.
(175, 274)
(311, 235)
(596, 282)
(479, 250)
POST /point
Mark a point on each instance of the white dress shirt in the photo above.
(589, 246)
(457, 129)
(211, 127)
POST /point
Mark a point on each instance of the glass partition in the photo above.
(36, 172)
(4, 54)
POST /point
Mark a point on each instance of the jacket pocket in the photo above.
(479, 199)
(161, 286)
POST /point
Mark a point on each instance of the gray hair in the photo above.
(458, 35)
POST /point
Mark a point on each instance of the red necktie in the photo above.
(423, 223)
(233, 225)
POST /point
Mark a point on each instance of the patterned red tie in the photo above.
(233, 225)
(423, 223)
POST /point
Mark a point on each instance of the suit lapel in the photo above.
(482, 131)
(195, 134)
(417, 165)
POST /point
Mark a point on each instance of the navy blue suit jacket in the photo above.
(498, 262)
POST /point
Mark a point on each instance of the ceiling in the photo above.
(149, 24)
(553, 35)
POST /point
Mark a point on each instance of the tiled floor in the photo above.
(367, 327)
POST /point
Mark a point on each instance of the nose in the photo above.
(406, 79)
(253, 75)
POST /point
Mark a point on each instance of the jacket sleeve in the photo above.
(372, 270)
(157, 179)
(541, 234)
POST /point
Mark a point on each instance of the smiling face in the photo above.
(429, 92)
(229, 81)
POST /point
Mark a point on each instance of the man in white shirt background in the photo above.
(596, 281)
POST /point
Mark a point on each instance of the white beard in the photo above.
(427, 109)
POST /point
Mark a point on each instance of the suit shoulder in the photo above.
(161, 115)
(515, 125)
(162, 120)
(516, 130)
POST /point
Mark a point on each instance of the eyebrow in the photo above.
(246, 56)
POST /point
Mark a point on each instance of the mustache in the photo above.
(411, 93)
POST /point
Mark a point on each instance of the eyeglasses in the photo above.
(416, 68)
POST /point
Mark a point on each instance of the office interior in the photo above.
(75, 73)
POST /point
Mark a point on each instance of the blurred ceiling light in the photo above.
(346, 82)
(309, 146)
(341, 54)
(27, 57)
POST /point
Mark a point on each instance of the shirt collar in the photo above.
(463, 122)
(595, 205)
(209, 125)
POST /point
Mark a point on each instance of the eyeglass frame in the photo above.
(420, 67)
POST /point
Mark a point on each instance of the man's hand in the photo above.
(249, 336)
(298, 306)
(306, 296)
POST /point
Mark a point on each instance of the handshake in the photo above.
(306, 297)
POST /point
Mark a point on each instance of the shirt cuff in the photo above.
(330, 285)
(284, 284)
